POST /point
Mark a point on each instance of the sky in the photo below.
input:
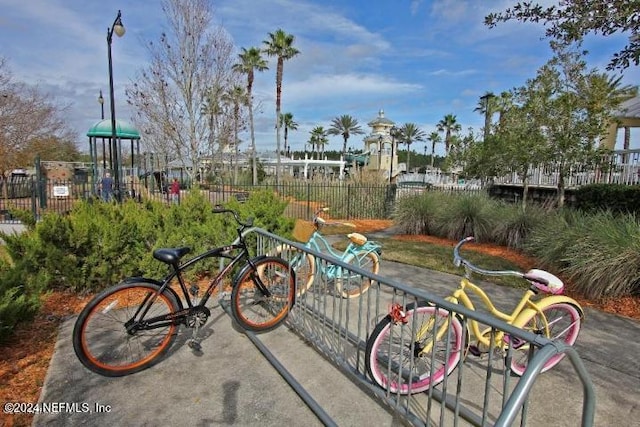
(415, 60)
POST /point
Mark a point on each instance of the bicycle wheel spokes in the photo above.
(350, 284)
(260, 309)
(561, 320)
(106, 338)
(402, 362)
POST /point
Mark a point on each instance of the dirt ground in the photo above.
(24, 360)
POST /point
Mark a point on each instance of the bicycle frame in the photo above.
(219, 252)
(488, 338)
(320, 244)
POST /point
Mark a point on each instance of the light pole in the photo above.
(393, 132)
(486, 98)
(118, 28)
(379, 153)
(104, 154)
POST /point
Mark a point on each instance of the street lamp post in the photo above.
(104, 153)
(487, 117)
(393, 132)
(379, 153)
(118, 28)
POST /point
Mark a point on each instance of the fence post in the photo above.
(308, 200)
(348, 201)
(40, 185)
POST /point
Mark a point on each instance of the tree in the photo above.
(558, 119)
(449, 125)
(487, 106)
(287, 122)
(318, 140)
(251, 61)
(31, 124)
(434, 138)
(168, 95)
(236, 98)
(280, 45)
(411, 133)
(346, 126)
(570, 21)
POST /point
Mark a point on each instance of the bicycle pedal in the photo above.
(474, 350)
(194, 345)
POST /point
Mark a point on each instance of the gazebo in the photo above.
(103, 131)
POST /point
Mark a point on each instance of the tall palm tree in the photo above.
(412, 133)
(434, 138)
(319, 140)
(251, 61)
(280, 45)
(449, 125)
(286, 121)
(346, 126)
(236, 98)
(487, 106)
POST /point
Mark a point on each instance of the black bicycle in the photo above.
(130, 326)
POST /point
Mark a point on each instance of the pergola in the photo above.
(103, 131)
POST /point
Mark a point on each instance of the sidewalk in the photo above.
(231, 382)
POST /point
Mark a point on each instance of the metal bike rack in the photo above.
(480, 390)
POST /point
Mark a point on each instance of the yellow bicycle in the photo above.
(417, 346)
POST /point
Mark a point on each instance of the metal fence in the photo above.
(479, 391)
(346, 200)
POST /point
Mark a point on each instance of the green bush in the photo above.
(418, 214)
(617, 198)
(19, 299)
(98, 244)
(467, 215)
(515, 224)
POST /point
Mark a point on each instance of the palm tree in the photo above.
(318, 139)
(449, 125)
(280, 45)
(235, 97)
(412, 133)
(286, 121)
(435, 138)
(346, 126)
(487, 106)
(250, 61)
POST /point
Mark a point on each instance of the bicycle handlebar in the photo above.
(317, 221)
(220, 209)
(458, 261)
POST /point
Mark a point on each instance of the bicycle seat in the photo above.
(545, 281)
(357, 238)
(171, 255)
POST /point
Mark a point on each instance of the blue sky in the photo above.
(417, 60)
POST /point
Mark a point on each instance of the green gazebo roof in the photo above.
(124, 130)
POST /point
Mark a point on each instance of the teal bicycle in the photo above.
(360, 252)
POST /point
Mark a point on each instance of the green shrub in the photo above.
(550, 239)
(515, 224)
(19, 298)
(605, 260)
(617, 198)
(467, 215)
(417, 214)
